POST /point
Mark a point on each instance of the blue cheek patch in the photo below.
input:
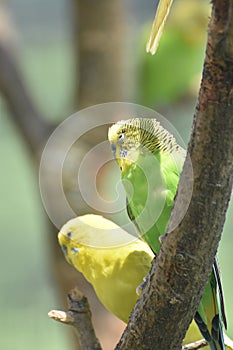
(74, 250)
(64, 249)
(123, 153)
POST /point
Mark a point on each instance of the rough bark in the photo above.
(180, 272)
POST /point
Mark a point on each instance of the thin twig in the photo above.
(79, 316)
(196, 345)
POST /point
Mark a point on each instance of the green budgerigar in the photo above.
(151, 161)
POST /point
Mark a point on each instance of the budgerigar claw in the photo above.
(161, 238)
(142, 285)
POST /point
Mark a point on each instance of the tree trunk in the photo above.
(180, 272)
(100, 52)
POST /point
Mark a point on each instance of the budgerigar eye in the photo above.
(69, 234)
(121, 138)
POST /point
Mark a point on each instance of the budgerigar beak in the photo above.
(113, 148)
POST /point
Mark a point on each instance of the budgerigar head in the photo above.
(68, 238)
(129, 137)
(79, 236)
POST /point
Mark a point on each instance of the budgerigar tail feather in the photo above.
(158, 24)
(220, 292)
(217, 334)
(215, 339)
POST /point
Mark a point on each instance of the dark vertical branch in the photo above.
(100, 49)
(168, 303)
(32, 125)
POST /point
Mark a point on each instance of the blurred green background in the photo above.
(41, 35)
(44, 40)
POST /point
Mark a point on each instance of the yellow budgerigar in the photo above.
(112, 260)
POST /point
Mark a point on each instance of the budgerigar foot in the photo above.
(142, 285)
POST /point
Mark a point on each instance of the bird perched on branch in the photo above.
(111, 259)
(150, 162)
(114, 262)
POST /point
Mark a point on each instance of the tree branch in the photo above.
(101, 50)
(32, 125)
(196, 345)
(79, 316)
(180, 272)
